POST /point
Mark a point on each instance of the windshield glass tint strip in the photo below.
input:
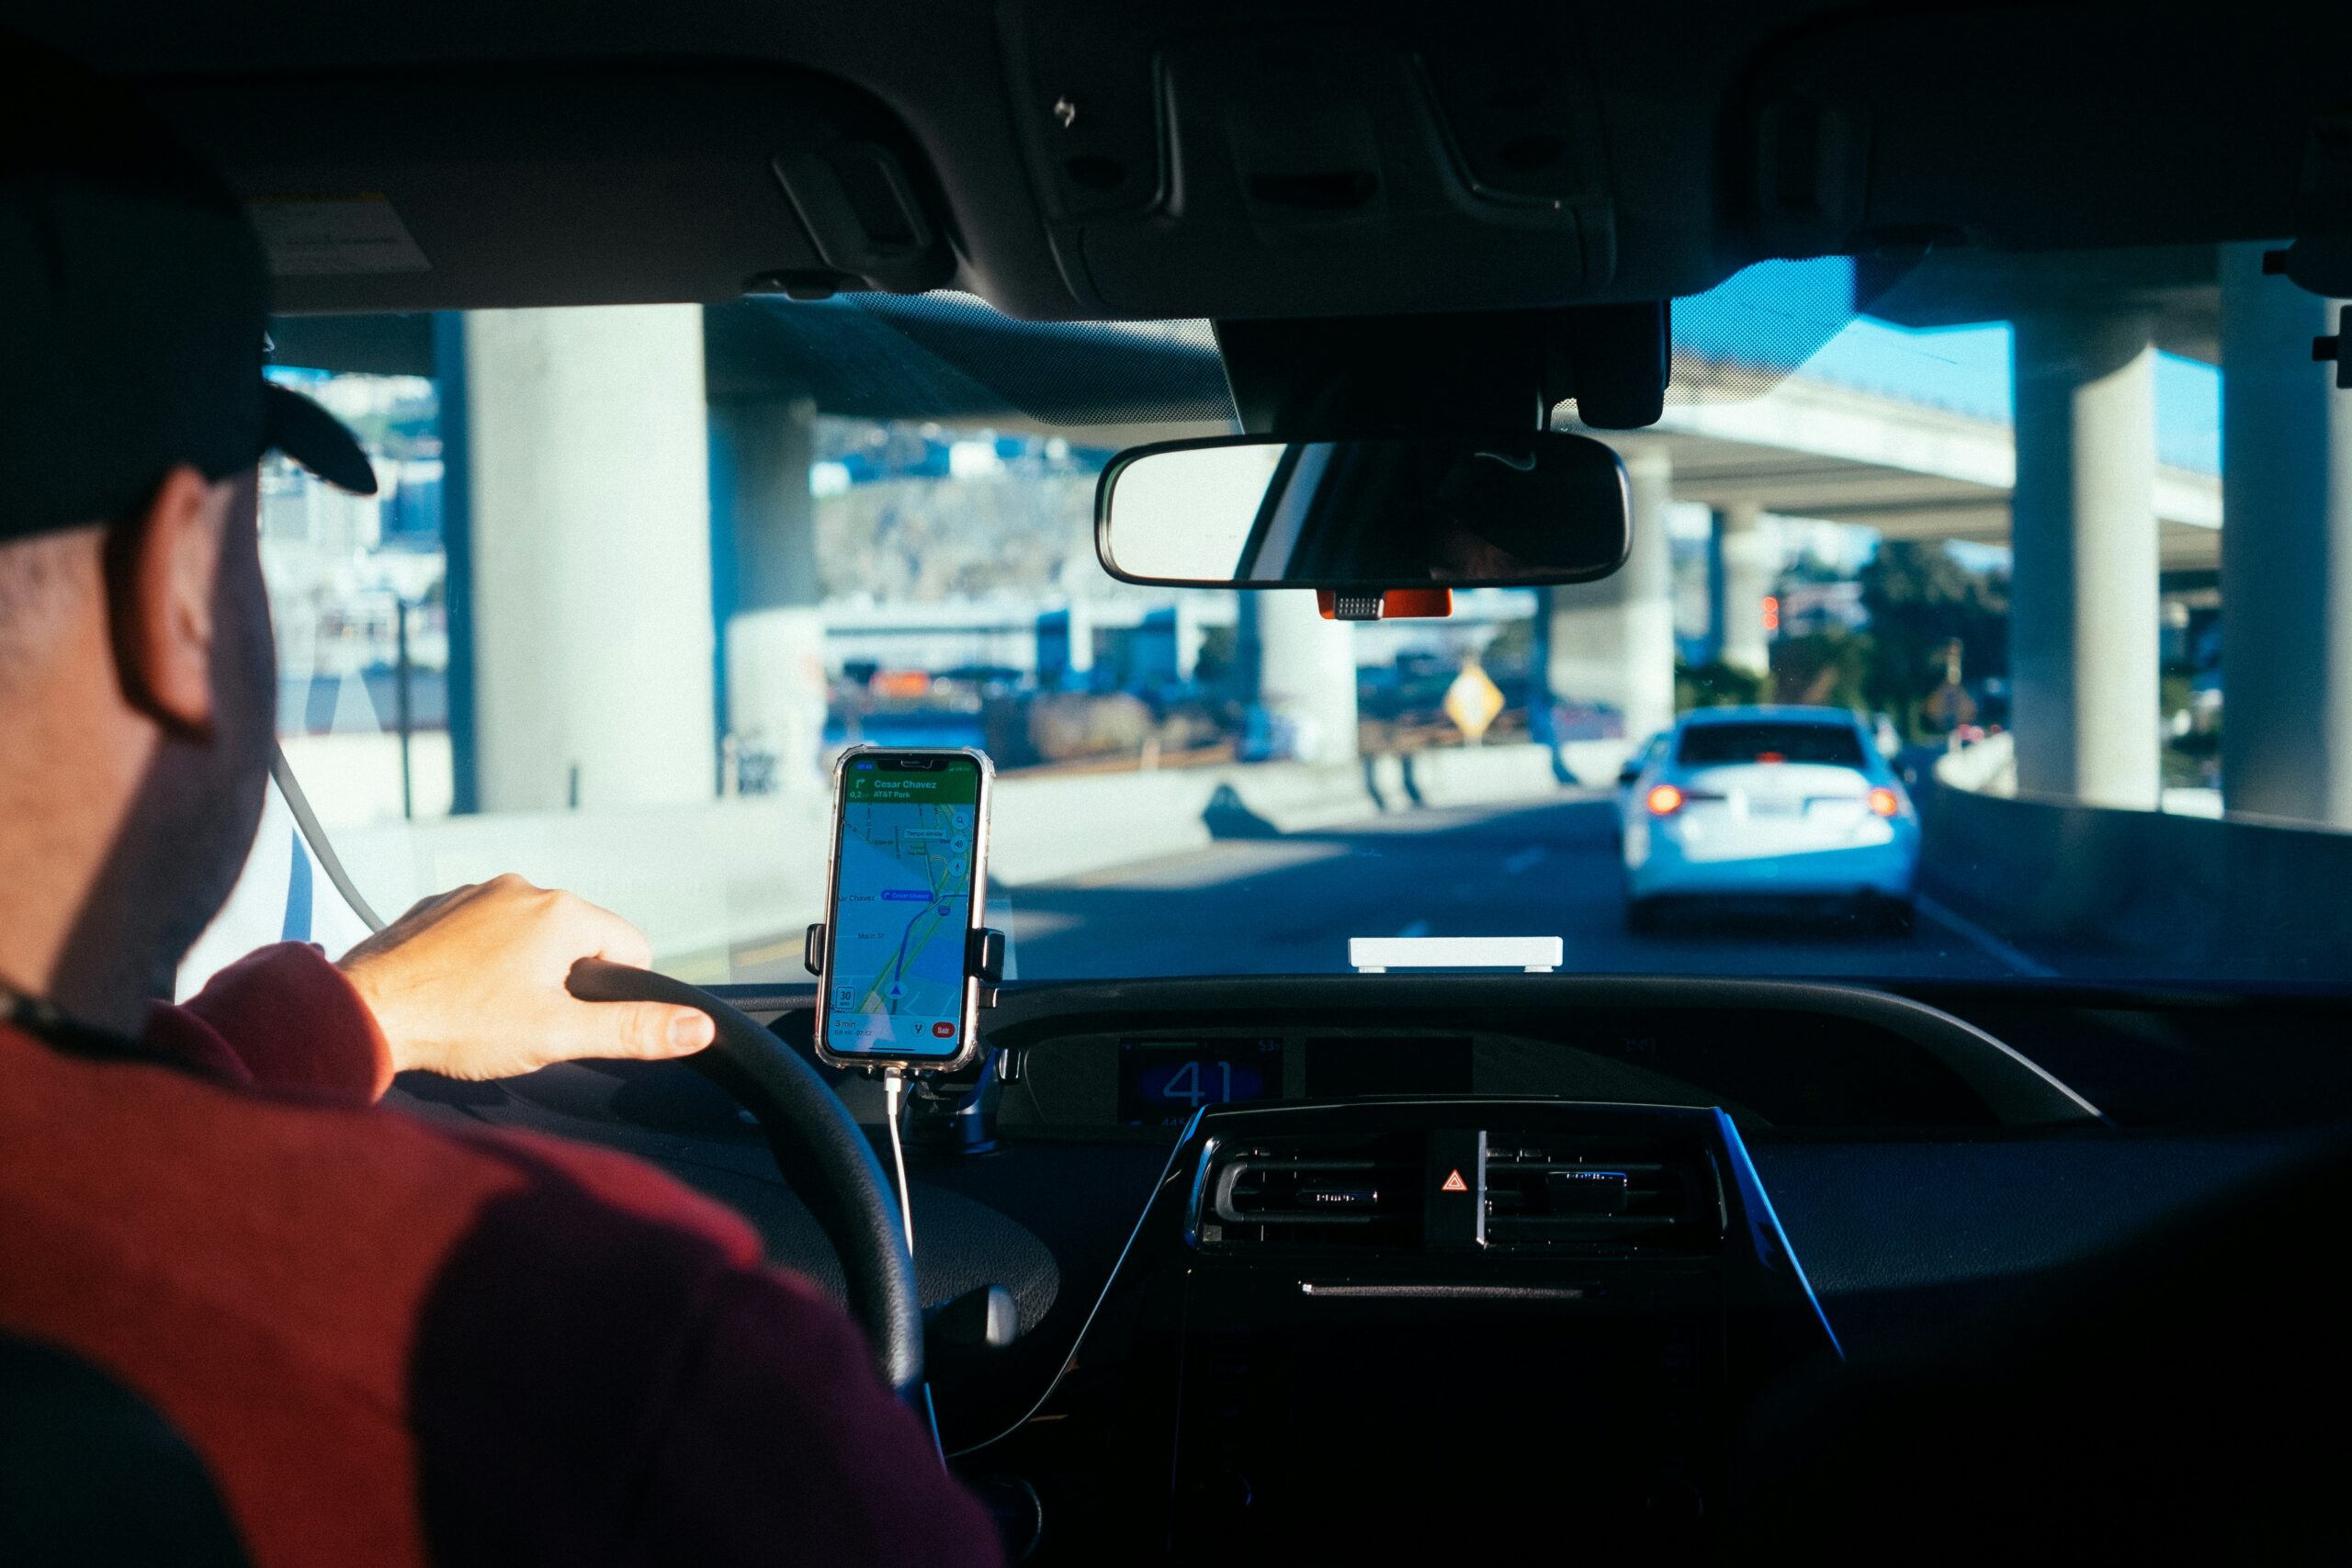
(1837, 745)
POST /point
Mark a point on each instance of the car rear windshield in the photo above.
(1704, 744)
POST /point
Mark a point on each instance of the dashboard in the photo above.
(1161, 1079)
(1221, 1207)
(1548, 1312)
(1149, 1053)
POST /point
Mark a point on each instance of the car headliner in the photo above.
(601, 151)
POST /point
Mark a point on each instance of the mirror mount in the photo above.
(1493, 372)
(1386, 604)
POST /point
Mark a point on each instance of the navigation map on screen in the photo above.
(903, 906)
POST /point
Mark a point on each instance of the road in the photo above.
(1288, 904)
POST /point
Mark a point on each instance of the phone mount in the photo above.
(956, 1117)
(983, 956)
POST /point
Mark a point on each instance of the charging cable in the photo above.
(306, 822)
(894, 1084)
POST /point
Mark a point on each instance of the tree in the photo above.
(1826, 668)
(1717, 684)
(1921, 599)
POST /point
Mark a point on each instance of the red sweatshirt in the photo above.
(395, 1345)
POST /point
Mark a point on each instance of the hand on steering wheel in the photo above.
(469, 983)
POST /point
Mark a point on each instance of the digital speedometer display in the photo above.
(1162, 1082)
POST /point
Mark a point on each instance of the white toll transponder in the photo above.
(1535, 954)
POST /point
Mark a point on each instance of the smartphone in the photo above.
(905, 889)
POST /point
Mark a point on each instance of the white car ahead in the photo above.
(1779, 806)
(1629, 777)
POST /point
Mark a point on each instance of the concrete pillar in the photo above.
(589, 517)
(1186, 613)
(1303, 671)
(1065, 643)
(2285, 553)
(774, 635)
(2082, 631)
(1744, 571)
(1611, 642)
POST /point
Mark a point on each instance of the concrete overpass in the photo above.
(1812, 449)
(2073, 485)
(2087, 328)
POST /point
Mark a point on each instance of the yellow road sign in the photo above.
(1472, 702)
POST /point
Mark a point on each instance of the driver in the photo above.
(388, 1343)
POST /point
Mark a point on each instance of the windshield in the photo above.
(636, 575)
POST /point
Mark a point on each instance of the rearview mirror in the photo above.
(1384, 512)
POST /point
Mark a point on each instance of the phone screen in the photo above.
(909, 860)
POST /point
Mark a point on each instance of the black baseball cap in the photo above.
(134, 304)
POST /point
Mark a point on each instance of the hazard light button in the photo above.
(1453, 1194)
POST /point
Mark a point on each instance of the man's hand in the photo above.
(470, 985)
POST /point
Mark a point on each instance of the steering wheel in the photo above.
(824, 1156)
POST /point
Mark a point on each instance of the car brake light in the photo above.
(1885, 802)
(1664, 800)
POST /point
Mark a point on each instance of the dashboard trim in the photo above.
(1343, 1289)
(2019, 1091)
(1773, 1249)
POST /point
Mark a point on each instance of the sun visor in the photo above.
(430, 191)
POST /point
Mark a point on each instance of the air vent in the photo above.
(1600, 1200)
(1590, 1196)
(1311, 1194)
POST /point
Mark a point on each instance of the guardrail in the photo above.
(2145, 894)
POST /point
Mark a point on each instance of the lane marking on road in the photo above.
(1417, 928)
(1526, 860)
(2013, 957)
